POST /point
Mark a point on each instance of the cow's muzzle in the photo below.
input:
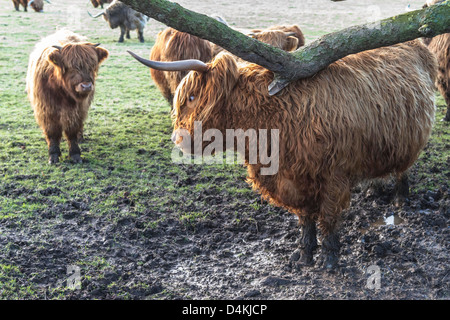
(84, 87)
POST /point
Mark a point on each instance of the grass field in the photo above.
(127, 171)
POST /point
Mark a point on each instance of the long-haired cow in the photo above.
(38, 5)
(440, 46)
(97, 3)
(60, 85)
(291, 37)
(17, 4)
(120, 15)
(364, 116)
(174, 45)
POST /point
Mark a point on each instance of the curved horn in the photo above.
(48, 2)
(97, 15)
(182, 65)
(57, 47)
(30, 2)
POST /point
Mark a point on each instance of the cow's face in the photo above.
(277, 38)
(201, 101)
(76, 67)
(37, 5)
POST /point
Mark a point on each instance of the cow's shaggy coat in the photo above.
(440, 46)
(17, 4)
(364, 116)
(60, 85)
(173, 45)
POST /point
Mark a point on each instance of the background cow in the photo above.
(60, 85)
(440, 46)
(364, 116)
(174, 45)
(283, 42)
(37, 5)
(120, 15)
(17, 3)
(100, 3)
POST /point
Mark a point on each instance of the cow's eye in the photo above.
(191, 98)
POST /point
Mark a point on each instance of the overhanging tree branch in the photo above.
(311, 58)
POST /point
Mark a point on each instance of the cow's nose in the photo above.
(86, 86)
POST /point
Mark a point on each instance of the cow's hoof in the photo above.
(399, 201)
(76, 158)
(54, 158)
(329, 261)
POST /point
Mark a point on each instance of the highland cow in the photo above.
(97, 3)
(173, 45)
(364, 116)
(120, 15)
(440, 47)
(60, 83)
(37, 5)
(291, 39)
(17, 3)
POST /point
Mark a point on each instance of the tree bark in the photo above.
(307, 60)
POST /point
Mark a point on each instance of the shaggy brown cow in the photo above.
(100, 3)
(17, 3)
(288, 44)
(440, 46)
(364, 116)
(37, 5)
(60, 84)
(173, 45)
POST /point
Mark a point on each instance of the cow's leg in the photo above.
(401, 188)
(72, 135)
(53, 135)
(447, 100)
(128, 34)
(308, 240)
(16, 5)
(122, 33)
(334, 199)
(141, 35)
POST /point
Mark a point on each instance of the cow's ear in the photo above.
(55, 58)
(291, 43)
(102, 54)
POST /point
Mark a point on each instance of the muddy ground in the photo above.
(241, 247)
(223, 257)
